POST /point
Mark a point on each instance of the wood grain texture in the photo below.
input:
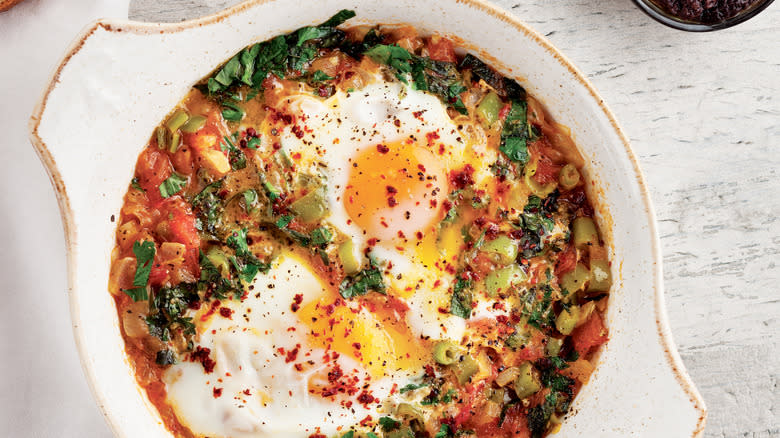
(703, 115)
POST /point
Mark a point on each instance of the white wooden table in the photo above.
(703, 114)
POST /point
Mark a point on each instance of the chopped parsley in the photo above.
(144, 256)
(361, 283)
(444, 431)
(514, 135)
(250, 200)
(134, 184)
(440, 78)
(167, 308)
(321, 236)
(460, 305)
(388, 424)
(412, 387)
(172, 185)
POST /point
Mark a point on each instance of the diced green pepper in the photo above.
(219, 259)
(410, 413)
(465, 368)
(502, 279)
(503, 247)
(489, 108)
(194, 124)
(175, 142)
(569, 177)
(584, 232)
(576, 279)
(311, 206)
(600, 276)
(553, 346)
(567, 320)
(349, 261)
(445, 352)
(162, 137)
(176, 120)
(527, 382)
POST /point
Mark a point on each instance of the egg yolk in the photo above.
(395, 190)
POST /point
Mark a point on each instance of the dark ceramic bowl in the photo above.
(662, 16)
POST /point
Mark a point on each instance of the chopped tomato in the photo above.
(504, 111)
(515, 425)
(440, 49)
(546, 171)
(152, 168)
(181, 222)
(158, 275)
(589, 335)
(567, 260)
(192, 261)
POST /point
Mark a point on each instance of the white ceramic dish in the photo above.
(119, 79)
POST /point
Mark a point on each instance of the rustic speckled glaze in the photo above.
(120, 78)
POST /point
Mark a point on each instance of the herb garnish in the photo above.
(172, 185)
(362, 282)
(514, 135)
(460, 305)
(441, 78)
(144, 256)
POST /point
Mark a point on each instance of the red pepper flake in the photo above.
(250, 132)
(491, 231)
(391, 190)
(317, 435)
(195, 305)
(214, 306)
(372, 241)
(246, 392)
(365, 398)
(364, 422)
(299, 367)
(297, 300)
(276, 145)
(461, 179)
(421, 167)
(419, 235)
(292, 354)
(397, 123)
(429, 371)
(417, 114)
(226, 312)
(217, 392)
(432, 137)
(202, 355)
(391, 202)
(297, 131)
(441, 149)
(436, 284)
(356, 345)
(382, 149)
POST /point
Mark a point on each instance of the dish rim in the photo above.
(663, 328)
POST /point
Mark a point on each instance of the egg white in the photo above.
(245, 347)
